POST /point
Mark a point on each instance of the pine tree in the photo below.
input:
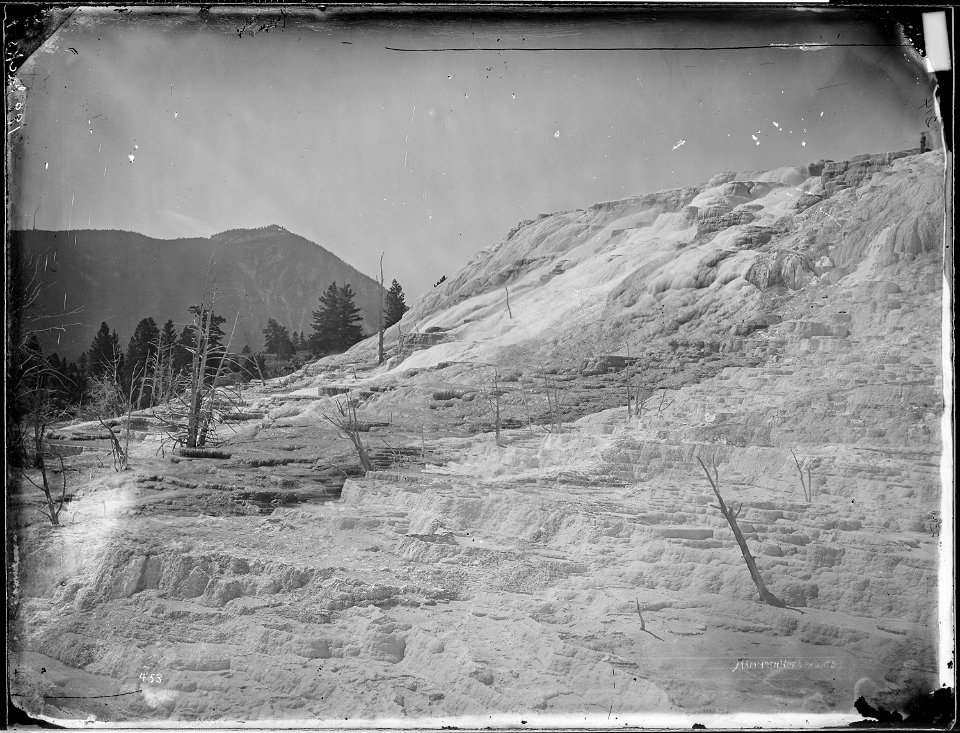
(168, 335)
(216, 333)
(336, 323)
(394, 306)
(117, 352)
(277, 339)
(101, 353)
(348, 318)
(142, 347)
(287, 349)
(324, 338)
(164, 368)
(181, 352)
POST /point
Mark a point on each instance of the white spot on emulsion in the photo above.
(557, 134)
(777, 125)
(176, 115)
(821, 113)
(803, 143)
(679, 143)
(131, 157)
(46, 166)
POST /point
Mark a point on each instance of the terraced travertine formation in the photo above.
(579, 569)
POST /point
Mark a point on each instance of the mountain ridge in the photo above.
(121, 277)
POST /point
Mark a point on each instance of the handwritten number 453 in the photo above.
(153, 679)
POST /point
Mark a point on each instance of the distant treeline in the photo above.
(166, 354)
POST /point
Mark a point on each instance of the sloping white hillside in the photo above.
(570, 567)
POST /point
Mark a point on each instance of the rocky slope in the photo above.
(121, 277)
(576, 566)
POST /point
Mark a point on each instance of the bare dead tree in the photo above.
(509, 312)
(159, 377)
(731, 516)
(198, 368)
(526, 405)
(637, 395)
(117, 452)
(42, 413)
(209, 400)
(348, 426)
(26, 322)
(111, 392)
(554, 402)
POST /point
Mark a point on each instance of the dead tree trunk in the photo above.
(198, 375)
(380, 339)
(509, 312)
(495, 395)
(119, 456)
(731, 517)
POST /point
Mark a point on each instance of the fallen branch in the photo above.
(808, 484)
(203, 453)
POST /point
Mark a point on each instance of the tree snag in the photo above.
(731, 517)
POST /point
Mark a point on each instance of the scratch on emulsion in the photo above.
(406, 137)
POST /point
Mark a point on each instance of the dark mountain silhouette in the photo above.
(120, 277)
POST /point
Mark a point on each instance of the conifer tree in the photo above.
(286, 348)
(168, 335)
(216, 333)
(101, 353)
(181, 353)
(118, 355)
(348, 318)
(324, 337)
(336, 323)
(142, 347)
(394, 307)
(277, 339)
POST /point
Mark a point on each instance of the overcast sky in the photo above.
(178, 125)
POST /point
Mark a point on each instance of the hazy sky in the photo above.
(185, 124)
